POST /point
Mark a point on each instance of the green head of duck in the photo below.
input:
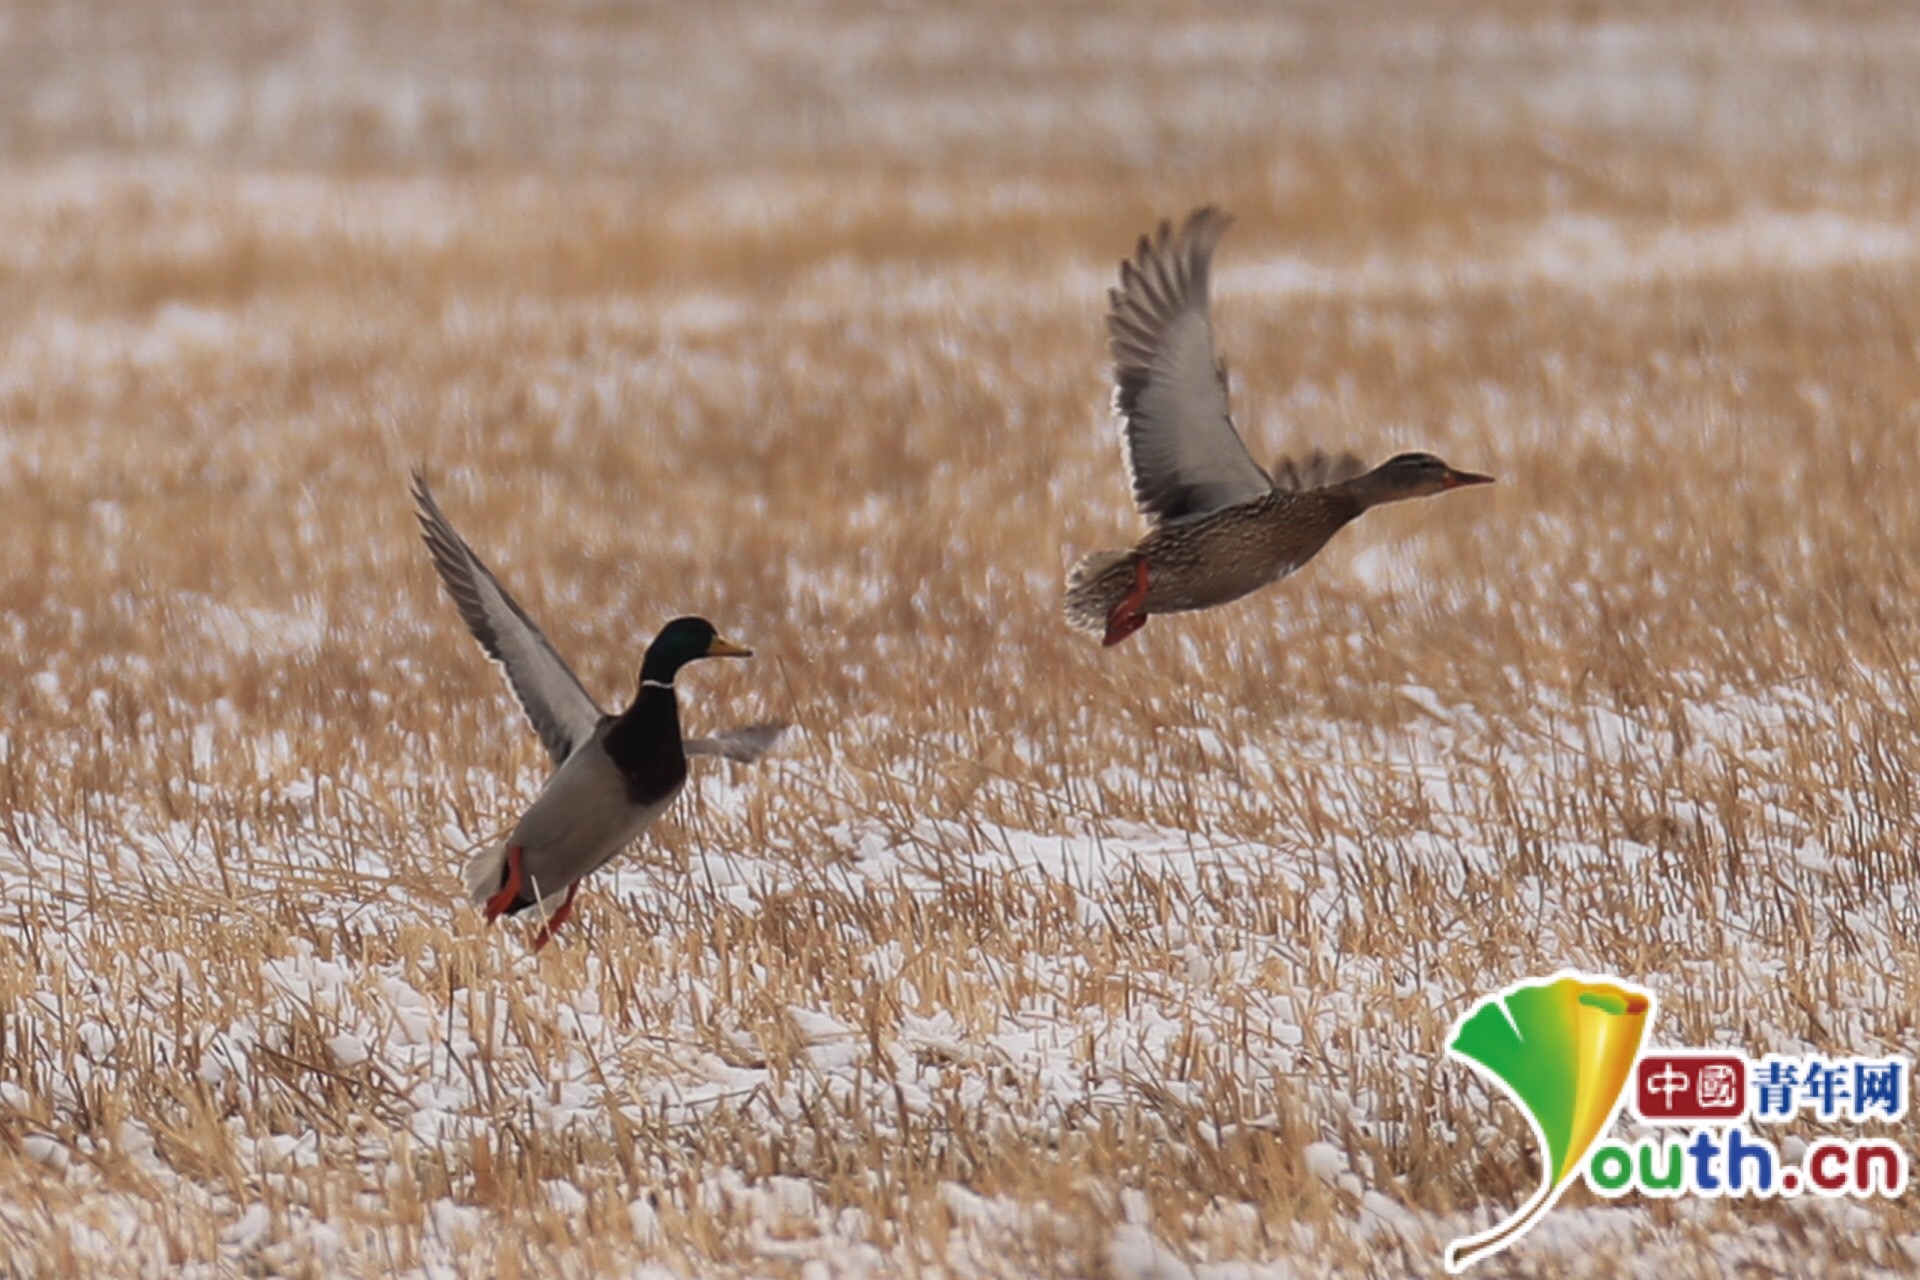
(682, 641)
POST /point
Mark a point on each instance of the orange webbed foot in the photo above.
(1129, 616)
(500, 902)
(559, 918)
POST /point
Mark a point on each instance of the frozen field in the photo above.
(1023, 958)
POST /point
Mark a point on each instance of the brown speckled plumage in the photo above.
(1211, 559)
(1221, 527)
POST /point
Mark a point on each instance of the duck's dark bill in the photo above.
(727, 649)
(1458, 478)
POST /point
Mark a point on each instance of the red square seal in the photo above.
(1690, 1086)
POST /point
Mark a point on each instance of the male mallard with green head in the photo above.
(1221, 527)
(613, 775)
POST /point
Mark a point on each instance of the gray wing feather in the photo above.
(1315, 471)
(744, 743)
(562, 712)
(1182, 448)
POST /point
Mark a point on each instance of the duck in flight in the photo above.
(1221, 527)
(614, 775)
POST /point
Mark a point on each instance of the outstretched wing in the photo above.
(562, 712)
(1315, 471)
(744, 743)
(1182, 448)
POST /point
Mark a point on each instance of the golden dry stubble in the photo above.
(1024, 953)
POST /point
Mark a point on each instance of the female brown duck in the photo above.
(1221, 526)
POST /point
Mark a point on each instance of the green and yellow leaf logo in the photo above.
(1564, 1049)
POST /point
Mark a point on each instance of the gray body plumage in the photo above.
(579, 822)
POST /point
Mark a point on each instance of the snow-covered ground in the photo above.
(1021, 958)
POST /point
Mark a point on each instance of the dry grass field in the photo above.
(1023, 958)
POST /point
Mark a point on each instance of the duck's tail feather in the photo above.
(1099, 582)
(485, 873)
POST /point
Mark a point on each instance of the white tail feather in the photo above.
(1096, 584)
(483, 872)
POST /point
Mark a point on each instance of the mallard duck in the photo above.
(1221, 526)
(613, 775)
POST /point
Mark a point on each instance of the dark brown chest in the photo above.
(644, 745)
